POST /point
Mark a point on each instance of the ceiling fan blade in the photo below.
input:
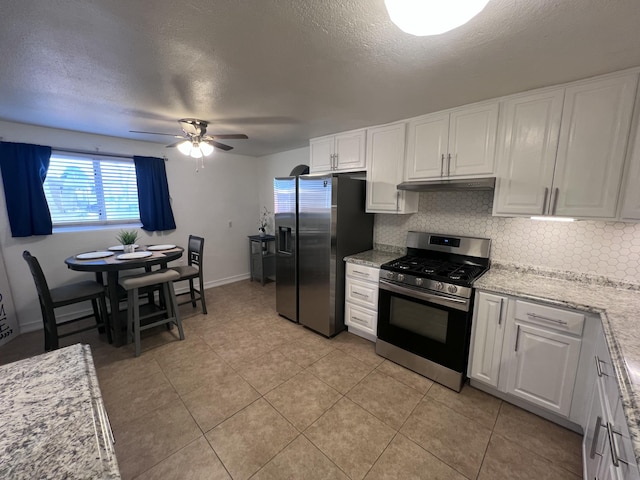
(230, 136)
(156, 133)
(175, 144)
(189, 127)
(219, 145)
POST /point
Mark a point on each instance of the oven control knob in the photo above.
(452, 289)
(390, 275)
(400, 277)
(439, 286)
(419, 281)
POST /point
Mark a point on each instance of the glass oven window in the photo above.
(420, 319)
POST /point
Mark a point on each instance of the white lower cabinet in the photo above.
(361, 300)
(542, 366)
(488, 332)
(607, 450)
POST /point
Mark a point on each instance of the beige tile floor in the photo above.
(249, 394)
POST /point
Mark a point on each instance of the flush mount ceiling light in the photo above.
(432, 17)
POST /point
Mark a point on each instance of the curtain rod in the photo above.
(103, 154)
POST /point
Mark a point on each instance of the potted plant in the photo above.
(264, 221)
(128, 240)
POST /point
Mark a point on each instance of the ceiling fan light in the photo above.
(206, 148)
(185, 147)
(195, 151)
(432, 17)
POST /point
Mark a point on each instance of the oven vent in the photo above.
(449, 184)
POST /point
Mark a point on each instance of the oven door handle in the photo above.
(441, 300)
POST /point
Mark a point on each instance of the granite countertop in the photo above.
(49, 403)
(618, 305)
(375, 257)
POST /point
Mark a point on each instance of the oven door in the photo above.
(432, 326)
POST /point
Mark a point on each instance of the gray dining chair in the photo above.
(191, 271)
(53, 298)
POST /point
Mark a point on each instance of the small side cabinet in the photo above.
(262, 257)
(361, 300)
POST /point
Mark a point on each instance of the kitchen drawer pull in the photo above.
(615, 459)
(500, 312)
(353, 317)
(598, 368)
(360, 273)
(442, 165)
(540, 317)
(362, 295)
(517, 337)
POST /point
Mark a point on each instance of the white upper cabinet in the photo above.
(460, 142)
(529, 130)
(344, 152)
(385, 155)
(631, 201)
(572, 168)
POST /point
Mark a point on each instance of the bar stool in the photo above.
(132, 284)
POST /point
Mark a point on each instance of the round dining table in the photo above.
(112, 266)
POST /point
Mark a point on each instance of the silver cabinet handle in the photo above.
(598, 368)
(337, 159)
(358, 320)
(448, 164)
(500, 312)
(544, 201)
(360, 273)
(517, 336)
(615, 458)
(555, 202)
(397, 200)
(361, 295)
(596, 435)
(442, 165)
(541, 317)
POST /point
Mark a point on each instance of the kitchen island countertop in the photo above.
(618, 305)
(53, 421)
(373, 258)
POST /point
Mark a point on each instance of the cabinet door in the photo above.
(349, 148)
(385, 156)
(595, 130)
(427, 141)
(527, 145)
(488, 324)
(321, 155)
(472, 140)
(543, 367)
(631, 202)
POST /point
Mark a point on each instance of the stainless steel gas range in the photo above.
(425, 305)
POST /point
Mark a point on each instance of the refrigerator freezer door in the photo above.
(285, 208)
(314, 248)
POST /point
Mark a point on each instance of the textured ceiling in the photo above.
(283, 71)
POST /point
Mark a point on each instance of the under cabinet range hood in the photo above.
(449, 184)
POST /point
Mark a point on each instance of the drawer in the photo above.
(550, 317)
(363, 272)
(361, 318)
(605, 374)
(361, 293)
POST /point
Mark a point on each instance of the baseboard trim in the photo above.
(37, 325)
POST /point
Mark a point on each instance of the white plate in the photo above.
(134, 255)
(93, 255)
(161, 247)
(120, 248)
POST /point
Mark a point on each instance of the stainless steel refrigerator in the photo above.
(319, 221)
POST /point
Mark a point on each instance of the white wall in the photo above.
(600, 248)
(277, 165)
(203, 204)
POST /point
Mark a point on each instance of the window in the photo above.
(82, 190)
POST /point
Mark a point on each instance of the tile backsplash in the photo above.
(611, 249)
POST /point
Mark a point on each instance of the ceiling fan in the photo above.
(194, 141)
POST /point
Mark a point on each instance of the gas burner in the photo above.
(429, 270)
(455, 276)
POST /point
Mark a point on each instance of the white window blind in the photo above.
(85, 190)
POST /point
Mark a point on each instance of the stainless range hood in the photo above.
(449, 184)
